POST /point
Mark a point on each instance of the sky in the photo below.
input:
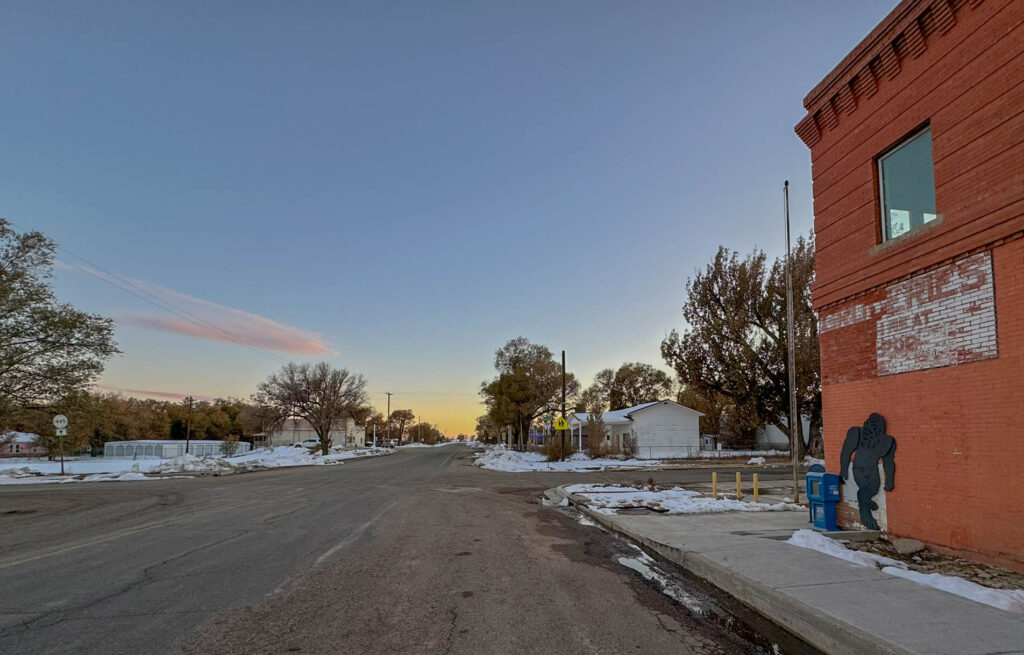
(399, 188)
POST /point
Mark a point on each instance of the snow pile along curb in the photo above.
(609, 499)
(500, 458)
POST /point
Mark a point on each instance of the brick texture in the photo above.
(928, 329)
(943, 317)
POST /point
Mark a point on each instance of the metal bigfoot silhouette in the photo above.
(870, 443)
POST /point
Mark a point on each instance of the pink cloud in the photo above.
(257, 331)
(208, 320)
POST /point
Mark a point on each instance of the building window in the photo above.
(907, 185)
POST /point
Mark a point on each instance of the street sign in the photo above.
(60, 421)
(561, 423)
(62, 432)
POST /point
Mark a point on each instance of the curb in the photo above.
(820, 630)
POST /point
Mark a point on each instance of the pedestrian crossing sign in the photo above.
(561, 423)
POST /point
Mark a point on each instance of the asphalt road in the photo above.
(414, 553)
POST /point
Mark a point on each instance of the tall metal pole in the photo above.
(188, 424)
(563, 405)
(794, 417)
(388, 425)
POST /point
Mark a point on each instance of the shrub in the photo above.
(552, 448)
(630, 446)
(230, 446)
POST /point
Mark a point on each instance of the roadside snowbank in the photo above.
(499, 458)
(609, 499)
(101, 469)
(1010, 600)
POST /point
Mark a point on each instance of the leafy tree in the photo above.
(486, 430)
(47, 349)
(401, 418)
(632, 384)
(735, 347)
(322, 395)
(528, 385)
(425, 433)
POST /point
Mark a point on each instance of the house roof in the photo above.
(20, 437)
(621, 416)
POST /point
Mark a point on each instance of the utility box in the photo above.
(822, 494)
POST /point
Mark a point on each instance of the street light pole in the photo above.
(794, 417)
(562, 453)
(188, 424)
(387, 427)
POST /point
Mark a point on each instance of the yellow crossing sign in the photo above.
(561, 423)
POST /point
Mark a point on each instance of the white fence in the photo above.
(167, 449)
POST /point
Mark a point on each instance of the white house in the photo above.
(770, 437)
(663, 429)
(294, 430)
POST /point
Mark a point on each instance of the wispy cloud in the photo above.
(196, 317)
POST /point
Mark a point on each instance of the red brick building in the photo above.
(917, 149)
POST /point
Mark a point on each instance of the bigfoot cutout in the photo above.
(870, 443)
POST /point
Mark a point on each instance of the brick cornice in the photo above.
(903, 34)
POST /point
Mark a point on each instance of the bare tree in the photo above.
(318, 393)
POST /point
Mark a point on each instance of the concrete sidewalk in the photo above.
(836, 606)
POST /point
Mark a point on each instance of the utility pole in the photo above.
(188, 424)
(794, 416)
(388, 426)
(562, 452)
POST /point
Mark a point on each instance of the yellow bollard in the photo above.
(755, 487)
(739, 491)
(714, 484)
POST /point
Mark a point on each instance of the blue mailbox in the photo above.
(822, 494)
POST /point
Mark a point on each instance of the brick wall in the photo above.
(959, 430)
(928, 329)
(967, 83)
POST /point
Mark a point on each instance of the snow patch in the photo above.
(500, 458)
(756, 461)
(609, 499)
(819, 542)
(1010, 600)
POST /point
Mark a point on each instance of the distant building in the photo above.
(663, 429)
(296, 430)
(21, 444)
(168, 448)
(917, 152)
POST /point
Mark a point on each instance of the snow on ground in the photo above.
(819, 542)
(1011, 600)
(103, 469)
(811, 461)
(499, 458)
(609, 499)
(757, 461)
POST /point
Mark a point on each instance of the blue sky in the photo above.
(401, 187)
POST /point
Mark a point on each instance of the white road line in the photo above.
(352, 537)
(117, 535)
